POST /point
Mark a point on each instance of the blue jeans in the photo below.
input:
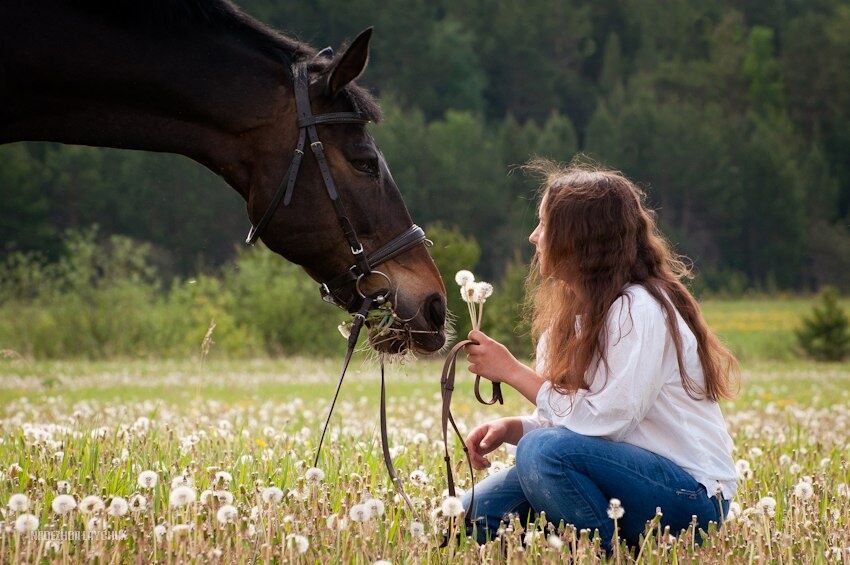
(572, 478)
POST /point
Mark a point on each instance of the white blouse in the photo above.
(643, 402)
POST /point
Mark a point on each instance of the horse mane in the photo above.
(169, 16)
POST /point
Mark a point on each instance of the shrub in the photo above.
(825, 334)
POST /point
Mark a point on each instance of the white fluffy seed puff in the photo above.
(615, 509)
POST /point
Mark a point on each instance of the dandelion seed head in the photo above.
(464, 277)
(63, 504)
(359, 513)
(452, 506)
(91, 504)
(19, 502)
(271, 495)
(301, 543)
(118, 506)
(227, 514)
(147, 479)
(804, 490)
(615, 509)
(26, 523)
(182, 495)
(375, 506)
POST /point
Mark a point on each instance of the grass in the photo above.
(760, 328)
(98, 425)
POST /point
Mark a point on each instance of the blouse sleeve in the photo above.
(620, 397)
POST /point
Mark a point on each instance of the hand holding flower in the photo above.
(490, 359)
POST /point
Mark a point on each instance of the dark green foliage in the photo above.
(825, 333)
(735, 117)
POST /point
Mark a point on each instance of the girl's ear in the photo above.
(350, 64)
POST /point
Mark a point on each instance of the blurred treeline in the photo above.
(734, 115)
(106, 298)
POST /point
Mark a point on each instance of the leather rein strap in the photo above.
(357, 326)
(447, 384)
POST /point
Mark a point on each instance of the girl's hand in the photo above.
(483, 439)
(489, 358)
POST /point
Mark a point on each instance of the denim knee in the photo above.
(540, 445)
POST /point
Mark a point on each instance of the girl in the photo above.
(626, 381)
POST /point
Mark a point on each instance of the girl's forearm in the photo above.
(525, 380)
(514, 427)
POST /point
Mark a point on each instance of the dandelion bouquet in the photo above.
(475, 294)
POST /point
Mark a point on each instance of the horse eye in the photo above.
(368, 166)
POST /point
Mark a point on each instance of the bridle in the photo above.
(364, 265)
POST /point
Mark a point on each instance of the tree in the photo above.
(825, 333)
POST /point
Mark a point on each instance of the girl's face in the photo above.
(537, 238)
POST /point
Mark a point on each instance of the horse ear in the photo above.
(350, 64)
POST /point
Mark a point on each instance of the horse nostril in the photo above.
(435, 310)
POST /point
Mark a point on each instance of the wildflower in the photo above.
(26, 523)
(359, 513)
(452, 506)
(223, 477)
(554, 541)
(383, 562)
(63, 504)
(375, 506)
(181, 480)
(272, 495)
(19, 502)
(843, 490)
(420, 438)
(734, 511)
(91, 504)
(785, 460)
(615, 509)
(227, 514)
(767, 504)
(181, 496)
(138, 503)
(159, 531)
(804, 490)
(147, 479)
(417, 529)
(464, 277)
(483, 291)
(419, 477)
(118, 506)
(181, 529)
(314, 475)
(63, 487)
(300, 542)
(794, 469)
(95, 524)
(744, 470)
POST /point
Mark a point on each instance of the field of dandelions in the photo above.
(182, 461)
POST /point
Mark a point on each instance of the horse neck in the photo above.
(72, 77)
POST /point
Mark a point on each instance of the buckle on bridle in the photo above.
(359, 249)
(317, 144)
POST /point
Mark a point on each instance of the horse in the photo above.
(203, 79)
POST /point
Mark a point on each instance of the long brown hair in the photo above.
(599, 236)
